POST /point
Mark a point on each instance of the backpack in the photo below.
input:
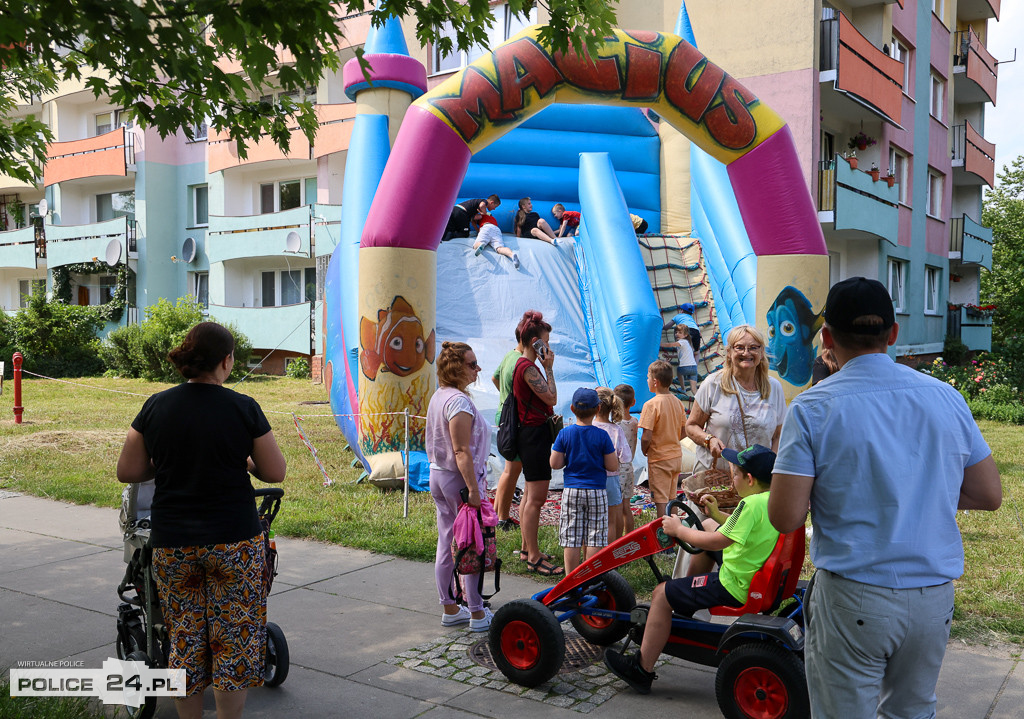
(508, 428)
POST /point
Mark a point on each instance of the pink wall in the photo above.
(937, 236)
(904, 19)
(940, 57)
(906, 215)
(175, 150)
(787, 93)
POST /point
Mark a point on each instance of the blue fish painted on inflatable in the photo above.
(792, 326)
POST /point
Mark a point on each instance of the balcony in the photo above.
(18, 249)
(285, 328)
(111, 154)
(971, 325)
(974, 157)
(969, 242)
(335, 129)
(71, 244)
(10, 185)
(233, 238)
(852, 206)
(858, 81)
(977, 9)
(975, 71)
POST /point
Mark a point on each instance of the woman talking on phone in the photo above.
(536, 396)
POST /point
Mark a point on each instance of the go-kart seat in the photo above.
(773, 582)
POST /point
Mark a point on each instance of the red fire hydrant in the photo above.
(18, 409)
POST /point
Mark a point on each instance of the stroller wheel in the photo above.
(276, 668)
(148, 706)
(134, 644)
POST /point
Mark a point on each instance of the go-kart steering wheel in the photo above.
(690, 518)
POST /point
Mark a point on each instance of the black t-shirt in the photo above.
(471, 206)
(199, 437)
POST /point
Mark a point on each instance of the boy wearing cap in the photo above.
(744, 539)
(587, 454)
(884, 455)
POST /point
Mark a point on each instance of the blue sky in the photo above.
(1003, 122)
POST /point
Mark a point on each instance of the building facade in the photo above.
(886, 101)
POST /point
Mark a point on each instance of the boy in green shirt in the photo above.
(740, 543)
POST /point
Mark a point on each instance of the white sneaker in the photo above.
(454, 620)
(554, 241)
(515, 260)
(483, 623)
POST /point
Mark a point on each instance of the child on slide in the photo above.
(529, 224)
(570, 220)
(490, 234)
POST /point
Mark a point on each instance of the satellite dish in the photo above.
(113, 253)
(43, 207)
(188, 249)
(292, 242)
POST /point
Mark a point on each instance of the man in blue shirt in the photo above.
(885, 456)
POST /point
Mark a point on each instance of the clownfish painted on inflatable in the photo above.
(395, 343)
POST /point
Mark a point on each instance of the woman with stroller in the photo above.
(200, 441)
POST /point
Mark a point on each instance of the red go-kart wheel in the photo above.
(614, 593)
(526, 642)
(762, 681)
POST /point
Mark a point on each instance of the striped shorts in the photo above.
(583, 521)
(215, 607)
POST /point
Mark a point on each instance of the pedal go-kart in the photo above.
(759, 656)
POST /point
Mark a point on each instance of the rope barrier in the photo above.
(87, 386)
(309, 445)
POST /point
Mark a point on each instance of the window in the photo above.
(899, 166)
(109, 120)
(938, 93)
(28, 288)
(310, 284)
(897, 271)
(506, 24)
(200, 206)
(901, 53)
(269, 289)
(115, 204)
(933, 198)
(932, 275)
(938, 8)
(201, 288)
(200, 131)
(291, 287)
(287, 194)
(108, 285)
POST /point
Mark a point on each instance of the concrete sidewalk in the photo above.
(364, 634)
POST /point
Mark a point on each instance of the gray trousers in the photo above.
(874, 652)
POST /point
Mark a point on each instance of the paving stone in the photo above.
(560, 701)
(562, 688)
(580, 694)
(476, 681)
(585, 707)
(460, 677)
(602, 680)
(535, 694)
(497, 685)
(479, 671)
(439, 662)
(464, 662)
(412, 663)
(446, 671)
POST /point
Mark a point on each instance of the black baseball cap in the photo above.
(856, 297)
(756, 459)
(585, 398)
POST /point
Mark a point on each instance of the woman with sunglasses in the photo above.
(739, 405)
(458, 441)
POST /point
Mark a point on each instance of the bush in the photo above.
(954, 351)
(57, 340)
(141, 351)
(999, 412)
(298, 368)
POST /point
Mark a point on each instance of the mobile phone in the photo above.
(540, 348)
(464, 495)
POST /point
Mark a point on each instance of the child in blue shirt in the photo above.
(587, 454)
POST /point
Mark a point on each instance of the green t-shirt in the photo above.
(753, 538)
(504, 373)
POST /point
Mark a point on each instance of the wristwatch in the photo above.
(707, 440)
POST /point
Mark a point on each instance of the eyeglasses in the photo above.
(473, 365)
(752, 349)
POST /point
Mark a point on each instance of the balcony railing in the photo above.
(18, 248)
(71, 244)
(969, 242)
(266, 235)
(974, 160)
(975, 71)
(109, 154)
(857, 206)
(284, 327)
(977, 9)
(861, 70)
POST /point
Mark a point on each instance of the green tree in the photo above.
(158, 58)
(1004, 213)
(57, 340)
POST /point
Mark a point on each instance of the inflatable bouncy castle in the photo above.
(605, 136)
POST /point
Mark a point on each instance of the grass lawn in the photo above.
(68, 444)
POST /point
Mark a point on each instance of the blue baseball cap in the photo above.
(757, 460)
(688, 308)
(585, 398)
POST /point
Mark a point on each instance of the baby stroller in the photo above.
(141, 632)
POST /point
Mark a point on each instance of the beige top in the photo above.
(663, 416)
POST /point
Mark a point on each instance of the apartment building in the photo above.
(886, 100)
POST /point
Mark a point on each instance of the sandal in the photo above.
(546, 570)
(524, 556)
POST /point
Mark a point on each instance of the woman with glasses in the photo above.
(458, 441)
(739, 405)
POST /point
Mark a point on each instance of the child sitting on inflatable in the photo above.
(744, 540)
(529, 224)
(570, 220)
(490, 234)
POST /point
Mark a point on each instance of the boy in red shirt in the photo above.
(568, 218)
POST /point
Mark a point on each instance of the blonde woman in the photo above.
(739, 405)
